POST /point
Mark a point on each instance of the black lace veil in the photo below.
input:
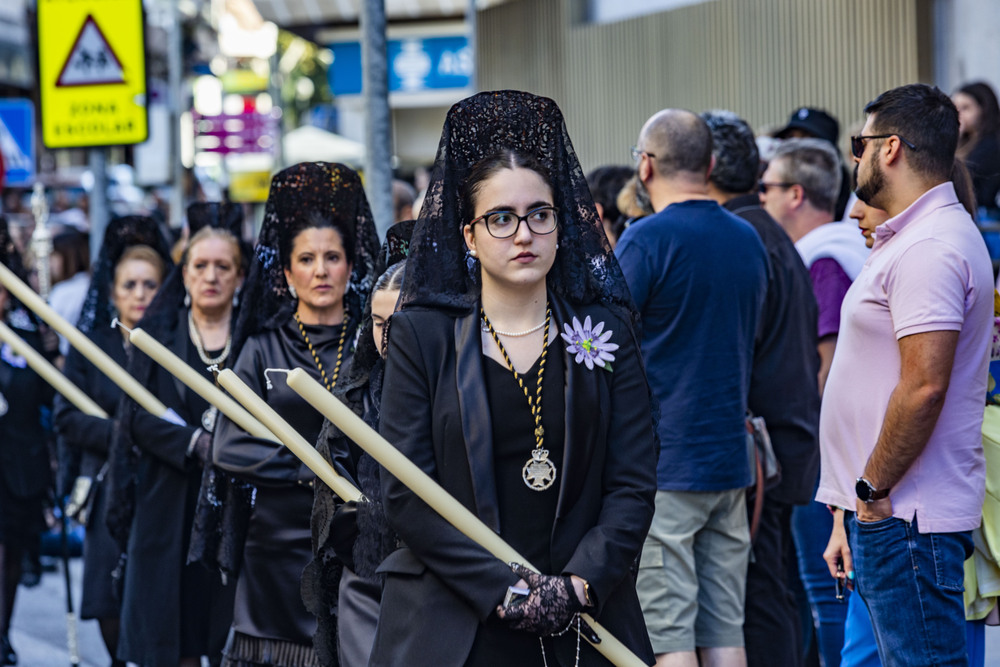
(585, 269)
(332, 191)
(121, 233)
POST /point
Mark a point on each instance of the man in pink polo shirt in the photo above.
(902, 412)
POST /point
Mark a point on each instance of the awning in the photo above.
(319, 12)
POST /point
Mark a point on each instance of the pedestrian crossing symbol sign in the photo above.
(92, 73)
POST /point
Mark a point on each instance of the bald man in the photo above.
(698, 275)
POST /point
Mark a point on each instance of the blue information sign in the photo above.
(415, 65)
(17, 141)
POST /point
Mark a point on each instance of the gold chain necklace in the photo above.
(539, 473)
(340, 353)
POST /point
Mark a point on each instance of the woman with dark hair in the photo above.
(24, 454)
(173, 613)
(311, 272)
(979, 143)
(514, 311)
(129, 271)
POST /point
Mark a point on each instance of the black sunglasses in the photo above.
(858, 143)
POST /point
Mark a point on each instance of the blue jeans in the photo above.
(912, 584)
(811, 526)
(860, 649)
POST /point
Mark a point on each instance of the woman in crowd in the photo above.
(514, 311)
(979, 143)
(129, 271)
(70, 267)
(172, 612)
(354, 538)
(312, 269)
(24, 454)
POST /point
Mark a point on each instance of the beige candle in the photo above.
(87, 348)
(287, 435)
(50, 373)
(431, 493)
(197, 383)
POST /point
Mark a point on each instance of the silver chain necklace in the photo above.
(196, 339)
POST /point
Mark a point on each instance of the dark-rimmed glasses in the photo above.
(858, 142)
(504, 224)
(637, 152)
(762, 186)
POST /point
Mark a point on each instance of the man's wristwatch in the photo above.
(867, 493)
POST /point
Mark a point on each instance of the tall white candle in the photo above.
(50, 373)
(288, 436)
(87, 348)
(436, 497)
(197, 383)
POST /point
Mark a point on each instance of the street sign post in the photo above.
(17, 142)
(92, 72)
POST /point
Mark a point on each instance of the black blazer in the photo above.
(435, 409)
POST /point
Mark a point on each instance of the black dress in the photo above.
(170, 609)
(92, 436)
(24, 455)
(526, 516)
(270, 622)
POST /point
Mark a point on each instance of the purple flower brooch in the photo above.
(589, 344)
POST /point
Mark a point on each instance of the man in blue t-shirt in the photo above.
(698, 275)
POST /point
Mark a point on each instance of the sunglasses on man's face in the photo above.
(858, 142)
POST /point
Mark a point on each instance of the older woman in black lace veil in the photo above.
(312, 271)
(509, 239)
(173, 612)
(354, 535)
(24, 454)
(128, 239)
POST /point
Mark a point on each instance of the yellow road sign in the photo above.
(92, 72)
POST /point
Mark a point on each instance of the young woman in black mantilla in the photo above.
(312, 270)
(173, 612)
(350, 540)
(500, 385)
(130, 268)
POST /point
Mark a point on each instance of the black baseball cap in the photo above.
(816, 122)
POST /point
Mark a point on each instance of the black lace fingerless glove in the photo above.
(549, 608)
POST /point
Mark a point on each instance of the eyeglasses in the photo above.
(504, 224)
(858, 143)
(636, 152)
(763, 186)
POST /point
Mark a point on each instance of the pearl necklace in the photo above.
(196, 339)
(511, 334)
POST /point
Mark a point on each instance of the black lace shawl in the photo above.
(161, 317)
(121, 233)
(361, 390)
(585, 269)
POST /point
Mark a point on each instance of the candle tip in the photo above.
(115, 322)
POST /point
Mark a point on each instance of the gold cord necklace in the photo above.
(539, 473)
(329, 384)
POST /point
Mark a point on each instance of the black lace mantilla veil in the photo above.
(120, 234)
(333, 191)
(20, 316)
(161, 317)
(585, 269)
